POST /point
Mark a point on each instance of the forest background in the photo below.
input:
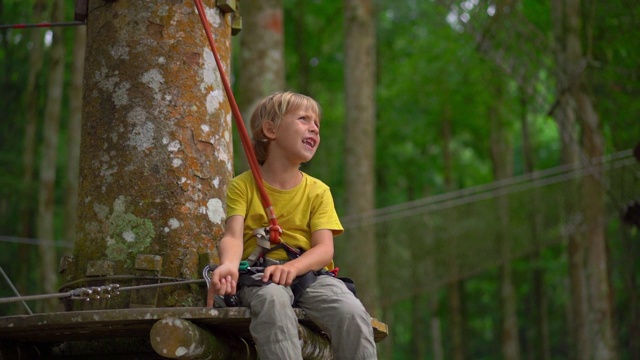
(483, 186)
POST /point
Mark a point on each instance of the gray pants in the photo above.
(327, 302)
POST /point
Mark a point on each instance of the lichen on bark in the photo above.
(128, 234)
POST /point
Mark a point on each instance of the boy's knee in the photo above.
(349, 305)
(271, 296)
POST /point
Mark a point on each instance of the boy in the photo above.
(286, 133)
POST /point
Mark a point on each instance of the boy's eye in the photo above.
(309, 120)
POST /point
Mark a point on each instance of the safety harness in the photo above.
(255, 265)
(268, 238)
(257, 257)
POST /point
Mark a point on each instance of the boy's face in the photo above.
(297, 137)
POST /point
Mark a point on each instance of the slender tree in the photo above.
(31, 112)
(455, 288)
(592, 315)
(564, 114)
(73, 136)
(359, 27)
(46, 192)
(501, 155)
(630, 243)
(602, 341)
(301, 49)
(261, 61)
(540, 348)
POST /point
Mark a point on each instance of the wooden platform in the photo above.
(133, 323)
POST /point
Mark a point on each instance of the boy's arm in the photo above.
(318, 256)
(225, 276)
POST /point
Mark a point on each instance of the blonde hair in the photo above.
(273, 108)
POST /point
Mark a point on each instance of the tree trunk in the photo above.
(419, 333)
(261, 60)
(46, 192)
(455, 296)
(454, 289)
(360, 144)
(540, 333)
(25, 226)
(73, 136)
(630, 267)
(426, 320)
(31, 116)
(565, 116)
(601, 321)
(156, 151)
(501, 154)
(386, 348)
(436, 332)
(600, 307)
(299, 39)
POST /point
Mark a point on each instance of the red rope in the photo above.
(274, 233)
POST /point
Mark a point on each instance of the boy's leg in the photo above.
(274, 325)
(340, 314)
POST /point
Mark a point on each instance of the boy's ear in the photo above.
(269, 129)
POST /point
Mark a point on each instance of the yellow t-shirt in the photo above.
(300, 211)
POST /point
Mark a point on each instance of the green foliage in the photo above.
(615, 70)
(314, 61)
(18, 199)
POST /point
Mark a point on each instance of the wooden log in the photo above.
(315, 346)
(176, 338)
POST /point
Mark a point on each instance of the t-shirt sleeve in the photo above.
(237, 198)
(324, 215)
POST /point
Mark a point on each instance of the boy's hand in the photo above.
(224, 279)
(280, 274)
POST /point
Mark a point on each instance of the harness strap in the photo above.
(264, 246)
(301, 283)
(262, 238)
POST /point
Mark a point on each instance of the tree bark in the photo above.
(436, 331)
(177, 338)
(594, 333)
(630, 267)
(426, 334)
(73, 136)
(565, 116)
(25, 225)
(46, 191)
(501, 155)
(600, 309)
(31, 115)
(540, 333)
(299, 40)
(156, 154)
(261, 60)
(455, 288)
(360, 144)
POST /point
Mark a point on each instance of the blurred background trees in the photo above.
(502, 161)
